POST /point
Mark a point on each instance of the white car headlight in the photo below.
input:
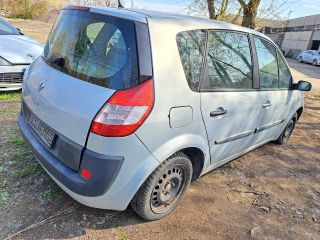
(4, 62)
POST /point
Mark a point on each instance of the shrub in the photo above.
(28, 9)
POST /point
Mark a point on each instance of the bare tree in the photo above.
(217, 12)
(216, 9)
(248, 13)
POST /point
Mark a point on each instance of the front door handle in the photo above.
(220, 111)
(266, 104)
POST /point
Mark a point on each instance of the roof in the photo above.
(174, 18)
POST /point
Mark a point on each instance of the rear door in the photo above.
(87, 58)
(308, 56)
(230, 105)
(276, 97)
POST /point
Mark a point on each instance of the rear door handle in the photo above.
(266, 105)
(218, 112)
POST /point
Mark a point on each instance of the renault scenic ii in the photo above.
(128, 106)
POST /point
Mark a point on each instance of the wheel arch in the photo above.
(299, 112)
(197, 158)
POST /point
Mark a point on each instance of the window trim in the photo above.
(205, 76)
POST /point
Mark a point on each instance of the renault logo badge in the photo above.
(30, 56)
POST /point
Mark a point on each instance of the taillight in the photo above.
(125, 111)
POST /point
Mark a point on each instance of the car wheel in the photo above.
(286, 133)
(315, 62)
(161, 193)
(300, 60)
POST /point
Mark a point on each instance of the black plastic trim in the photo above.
(104, 168)
(265, 127)
(255, 63)
(235, 137)
(144, 51)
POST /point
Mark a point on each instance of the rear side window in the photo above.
(229, 61)
(97, 49)
(268, 64)
(285, 77)
(191, 47)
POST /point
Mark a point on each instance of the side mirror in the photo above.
(302, 86)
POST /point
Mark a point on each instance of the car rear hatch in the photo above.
(87, 58)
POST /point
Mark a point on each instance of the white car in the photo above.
(130, 105)
(17, 52)
(310, 56)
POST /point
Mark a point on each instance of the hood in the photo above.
(19, 49)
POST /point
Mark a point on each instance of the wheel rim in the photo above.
(288, 130)
(300, 59)
(315, 62)
(168, 189)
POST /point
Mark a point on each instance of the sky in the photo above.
(304, 8)
(294, 8)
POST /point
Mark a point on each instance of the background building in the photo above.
(299, 34)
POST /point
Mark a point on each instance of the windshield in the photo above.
(94, 48)
(7, 29)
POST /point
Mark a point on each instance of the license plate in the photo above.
(45, 133)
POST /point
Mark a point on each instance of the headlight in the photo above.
(4, 62)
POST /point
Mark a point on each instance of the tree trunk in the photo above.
(249, 13)
(119, 4)
(249, 18)
(211, 9)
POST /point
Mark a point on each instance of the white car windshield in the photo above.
(7, 29)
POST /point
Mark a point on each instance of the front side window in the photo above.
(98, 49)
(268, 65)
(229, 61)
(191, 47)
(284, 74)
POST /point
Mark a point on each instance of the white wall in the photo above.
(297, 40)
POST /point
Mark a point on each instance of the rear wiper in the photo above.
(60, 61)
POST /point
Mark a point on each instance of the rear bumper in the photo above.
(104, 168)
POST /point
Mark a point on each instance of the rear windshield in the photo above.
(94, 48)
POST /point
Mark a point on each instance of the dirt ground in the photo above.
(272, 192)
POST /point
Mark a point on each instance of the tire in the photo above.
(315, 63)
(287, 131)
(300, 60)
(162, 192)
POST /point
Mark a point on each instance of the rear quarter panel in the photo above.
(171, 91)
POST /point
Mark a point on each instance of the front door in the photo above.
(276, 98)
(229, 104)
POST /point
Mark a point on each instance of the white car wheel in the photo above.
(315, 62)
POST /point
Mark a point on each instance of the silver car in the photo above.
(17, 52)
(128, 106)
(310, 56)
